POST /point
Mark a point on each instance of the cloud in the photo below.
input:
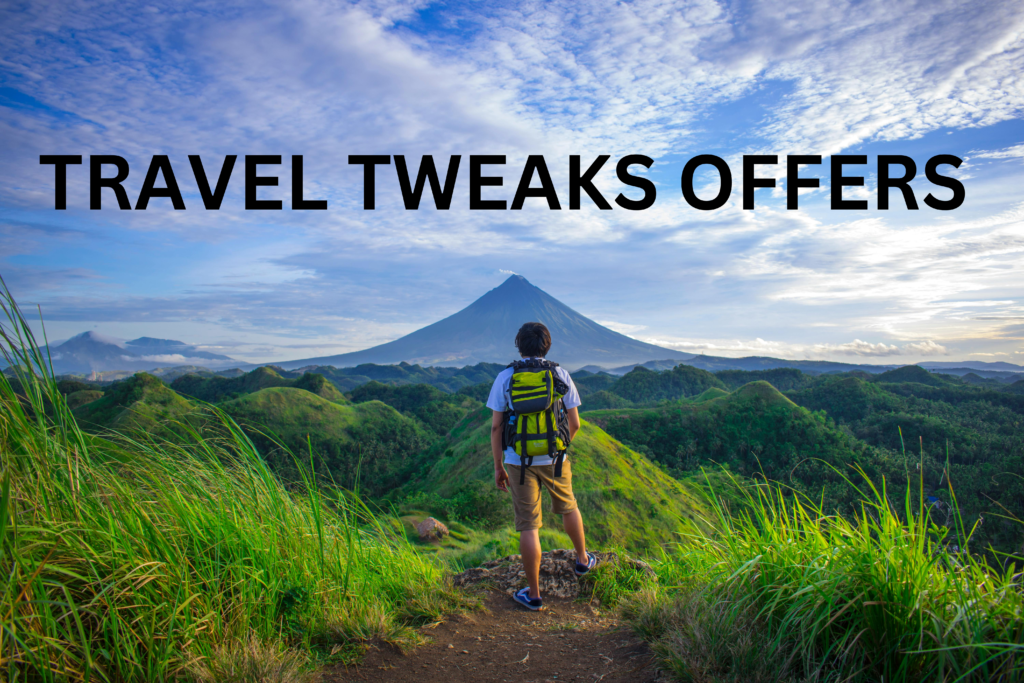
(1015, 152)
(925, 348)
(41, 279)
(622, 328)
(820, 351)
(667, 79)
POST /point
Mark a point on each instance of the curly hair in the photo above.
(533, 340)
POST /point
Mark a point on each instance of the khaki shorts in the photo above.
(526, 498)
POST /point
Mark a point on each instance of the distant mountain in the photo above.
(484, 332)
(1004, 376)
(716, 363)
(93, 352)
(1004, 371)
(998, 366)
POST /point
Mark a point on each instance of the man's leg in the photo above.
(573, 523)
(529, 548)
(526, 502)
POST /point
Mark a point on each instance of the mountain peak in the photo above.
(515, 281)
(485, 331)
(93, 336)
(152, 341)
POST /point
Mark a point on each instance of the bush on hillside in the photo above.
(644, 386)
(438, 410)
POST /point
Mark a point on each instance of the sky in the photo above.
(669, 80)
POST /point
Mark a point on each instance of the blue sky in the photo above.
(666, 79)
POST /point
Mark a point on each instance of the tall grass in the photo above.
(785, 592)
(142, 559)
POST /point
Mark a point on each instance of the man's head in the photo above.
(533, 340)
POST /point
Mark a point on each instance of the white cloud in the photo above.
(622, 328)
(1015, 152)
(925, 348)
(822, 351)
(661, 78)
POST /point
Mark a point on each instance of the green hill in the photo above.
(437, 410)
(214, 389)
(978, 430)
(141, 402)
(449, 379)
(910, 373)
(710, 395)
(625, 499)
(371, 440)
(77, 399)
(783, 379)
(602, 400)
(588, 383)
(753, 430)
(641, 385)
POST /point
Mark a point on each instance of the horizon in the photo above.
(221, 366)
(670, 81)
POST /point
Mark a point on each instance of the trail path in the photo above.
(569, 640)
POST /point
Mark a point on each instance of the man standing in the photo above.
(534, 342)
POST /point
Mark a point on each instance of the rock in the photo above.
(557, 573)
(431, 530)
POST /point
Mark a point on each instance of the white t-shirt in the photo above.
(501, 398)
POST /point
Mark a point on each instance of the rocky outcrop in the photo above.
(557, 573)
(431, 530)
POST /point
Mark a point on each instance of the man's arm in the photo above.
(497, 425)
(574, 422)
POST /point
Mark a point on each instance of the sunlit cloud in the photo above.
(665, 79)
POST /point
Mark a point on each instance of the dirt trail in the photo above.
(567, 641)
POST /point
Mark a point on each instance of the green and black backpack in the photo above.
(536, 424)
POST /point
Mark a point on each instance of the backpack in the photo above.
(536, 423)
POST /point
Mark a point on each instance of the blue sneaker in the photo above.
(582, 569)
(522, 596)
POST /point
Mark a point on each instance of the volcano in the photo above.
(485, 331)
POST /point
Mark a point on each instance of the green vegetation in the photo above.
(141, 403)
(147, 559)
(755, 431)
(447, 379)
(589, 383)
(437, 410)
(626, 500)
(80, 398)
(785, 592)
(641, 385)
(180, 540)
(71, 386)
(369, 447)
(214, 389)
(783, 379)
(972, 438)
(479, 392)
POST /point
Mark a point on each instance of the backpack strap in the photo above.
(524, 461)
